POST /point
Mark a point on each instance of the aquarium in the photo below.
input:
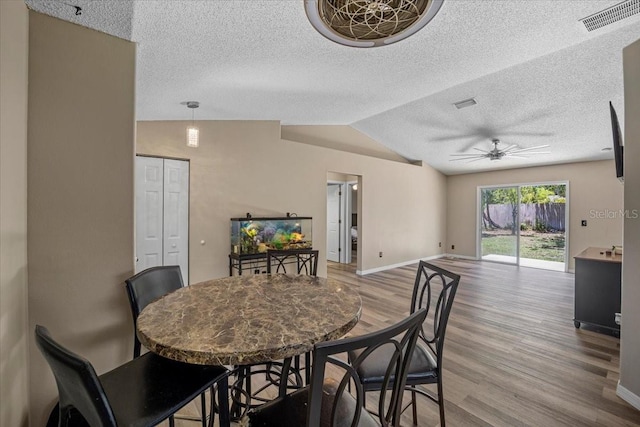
(257, 235)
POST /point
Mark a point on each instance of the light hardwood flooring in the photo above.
(512, 355)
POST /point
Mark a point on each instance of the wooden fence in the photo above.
(550, 216)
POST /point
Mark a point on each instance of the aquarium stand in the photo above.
(254, 263)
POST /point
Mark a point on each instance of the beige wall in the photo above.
(245, 167)
(593, 188)
(80, 200)
(340, 137)
(14, 28)
(630, 335)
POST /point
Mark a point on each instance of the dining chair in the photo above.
(434, 290)
(148, 286)
(293, 261)
(296, 261)
(143, 392)
(327, 400)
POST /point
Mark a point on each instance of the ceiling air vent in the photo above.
(466, 103)
(612, 14)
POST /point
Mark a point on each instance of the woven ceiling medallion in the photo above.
(370, 23)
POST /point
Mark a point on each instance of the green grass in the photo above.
(548, 247)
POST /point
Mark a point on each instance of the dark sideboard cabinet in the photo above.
(598, 280)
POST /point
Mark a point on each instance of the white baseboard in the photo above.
(400, 264)
(472, 258)
(629, 397)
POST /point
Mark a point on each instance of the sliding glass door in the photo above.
(499, 224)
(524, 225)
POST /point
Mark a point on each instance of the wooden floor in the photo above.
(512, 355)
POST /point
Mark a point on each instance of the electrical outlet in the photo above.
(380, 254)
(453, 247)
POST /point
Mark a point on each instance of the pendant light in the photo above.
(193, 133)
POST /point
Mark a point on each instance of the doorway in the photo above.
(334, 217)
(162, 213)
(524, 224)
(342, 218)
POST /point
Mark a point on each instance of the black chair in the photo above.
(146, 287)
(292, 261)
(434, 290)
(143, 392)
(328, 402)
(298, 261)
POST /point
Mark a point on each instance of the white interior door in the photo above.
(162, 213)
(333, 222)
(149, 218)
(176, 215)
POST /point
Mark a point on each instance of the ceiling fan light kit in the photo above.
(498, 154)
(370, 23)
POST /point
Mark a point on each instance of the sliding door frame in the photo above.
(518, 186)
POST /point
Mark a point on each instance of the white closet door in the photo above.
(176, 215)
(162, 213)
(149, 217)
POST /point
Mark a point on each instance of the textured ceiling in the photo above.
(538, 75)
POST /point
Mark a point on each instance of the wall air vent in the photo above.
(612, 14)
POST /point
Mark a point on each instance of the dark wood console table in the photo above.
(598, 282)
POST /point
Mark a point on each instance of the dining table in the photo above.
(248, 319)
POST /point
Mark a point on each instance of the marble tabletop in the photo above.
(248, 319)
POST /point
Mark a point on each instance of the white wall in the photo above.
(14, 336)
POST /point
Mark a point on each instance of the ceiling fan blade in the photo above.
(471, 143)
(507, 133)
(530, 148)
(448, 138)
(466, 158)
(482, 151)
(509, 148)
(518, 157)
(467, 155)
(475, 160)
(531, 152)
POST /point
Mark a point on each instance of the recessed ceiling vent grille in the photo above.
(610, 15)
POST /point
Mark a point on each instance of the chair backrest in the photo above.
(146, 287)
(347, 407)
(434, 290)
(78, 385)
(298, 261)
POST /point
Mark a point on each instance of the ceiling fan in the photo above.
(497, 154)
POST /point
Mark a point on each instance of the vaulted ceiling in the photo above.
(538, 76)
